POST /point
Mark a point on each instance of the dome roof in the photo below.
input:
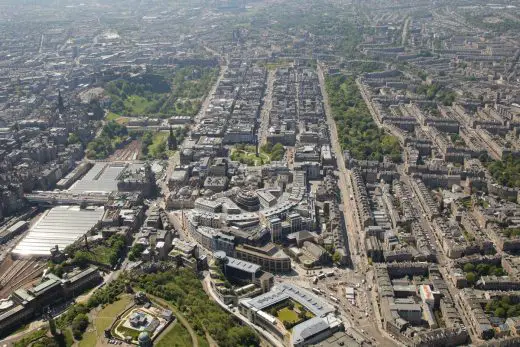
(144, 336)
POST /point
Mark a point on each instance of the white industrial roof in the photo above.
(101, 178)
(60, 226)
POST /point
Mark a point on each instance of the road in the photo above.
(354, 231)
(352, 224)
(266, 109)
(406, 27)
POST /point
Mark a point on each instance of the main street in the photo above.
(371, 323)
(266, 109)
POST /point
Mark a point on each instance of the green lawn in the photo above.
(287, 315)
(89, 339)
(158, 138)
(65, 340)
(300, 307)
(102, 254)
(159, 145)
(102, 321)
(67, 335)
(137, 105)
(127, 331)
(178, 336)
(111, 116)
(247, 154)
(249, 157)
(105, 317)
(202, 341)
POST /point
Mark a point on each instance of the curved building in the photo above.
(248, 200)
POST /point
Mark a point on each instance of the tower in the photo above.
(52, 324)
(172, 141)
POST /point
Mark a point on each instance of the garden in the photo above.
(290, 313)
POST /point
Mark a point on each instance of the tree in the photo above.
(73, 139)
(267, 148)
(505, 300)
(482, 269)
(136, 251)
(499, 272)
(512, 311)
(184, 289)
(46, 342)
(469, 267)
(79, 325)
(471, 277)
(357, 131)
(500, 312)
(81, 259)
(56, 269)
(336, 257)
(241, 336)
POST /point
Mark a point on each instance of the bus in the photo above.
(321, 276)
(315, 280)
(333, 298)
(316, 291)
(329, 273)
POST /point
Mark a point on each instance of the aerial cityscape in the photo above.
(259, 173)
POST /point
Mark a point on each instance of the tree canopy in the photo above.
(506, 172)
(183, 289)
(112, 135)
(357, 131)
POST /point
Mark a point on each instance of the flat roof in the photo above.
(283, 291)
(243, 265)
(12, 311)
(44, 286)
(303, 331)
(102, 177)
(62, 226)
(82, 274)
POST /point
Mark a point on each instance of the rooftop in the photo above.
(60, 226)
(243, 265)
(284, 291)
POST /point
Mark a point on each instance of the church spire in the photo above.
(172, 141)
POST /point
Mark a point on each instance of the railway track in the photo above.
(22, 272)
(129, 152)
(15, 269)
(35, 272)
